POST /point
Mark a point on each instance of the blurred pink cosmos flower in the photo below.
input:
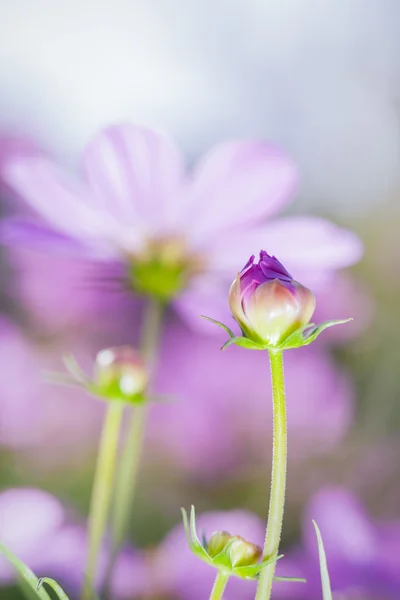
(136, 205)
(28, 520)
(35, 414)
(363, 554)
(37, 528)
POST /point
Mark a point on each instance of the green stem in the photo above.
(278, 479)
(129, 465)
(219, 586)
(101, 491)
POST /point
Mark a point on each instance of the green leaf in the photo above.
(311, 333)
(326, 584)
(243, 342)
(54, 586)
(292, 579)
(27, 575)
(225, 327)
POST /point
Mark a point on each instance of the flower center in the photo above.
(164, 267)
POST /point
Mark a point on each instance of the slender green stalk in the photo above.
(278, 479)
(101, 491)
(219, 586)
(128, 470)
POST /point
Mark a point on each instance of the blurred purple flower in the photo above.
(28, 520)
(35, 526)
(35, 414)
(363, 555)
(136, 197)
(222, 410)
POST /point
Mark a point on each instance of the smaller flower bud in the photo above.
(243, 553)
(267, 303)
(120, 373)
(217, 542)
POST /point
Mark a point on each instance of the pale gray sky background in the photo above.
(320, 78)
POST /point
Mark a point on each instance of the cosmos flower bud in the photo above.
(120, 373)
(243, 553)
(267, 303)
(217, 542)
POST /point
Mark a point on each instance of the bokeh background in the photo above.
(320, 80)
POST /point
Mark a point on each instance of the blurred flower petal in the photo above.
(135, 174)
(311, 248)
(239, 183)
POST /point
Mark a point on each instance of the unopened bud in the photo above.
(217, 542)
(243, 553)
(267, 303)
(120, 373)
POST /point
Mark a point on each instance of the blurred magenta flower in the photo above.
(29, 518)
(267, 303)
(363, 554)
(37, 528)
(136, 206)
(35, 414)
(215, 388)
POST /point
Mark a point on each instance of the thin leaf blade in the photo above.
(323, 565)
(26, 574)
(54, 586)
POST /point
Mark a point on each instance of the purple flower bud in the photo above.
(120, 373)
(267, 303)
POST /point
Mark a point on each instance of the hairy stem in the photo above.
(278, 479)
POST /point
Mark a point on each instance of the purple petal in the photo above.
(310, 248)
(17, 232)
(28, 518)
(348, 534)
(136, 174)
(63, 204)
(239, 183)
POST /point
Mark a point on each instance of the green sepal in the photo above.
(72, 366)
(225, 327)
(222, 561)
(98, 393)
(291, 579)
(311, 333)
(77, 377)
(301, 337)
(191, 534)
(253, 571)
(244, 342)
(54, 586)
(27, 575)
(306, 335)
(326, 583)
